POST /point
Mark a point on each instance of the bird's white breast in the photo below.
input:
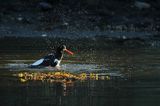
(58, 62)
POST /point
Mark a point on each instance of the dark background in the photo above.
(111, 23)
(34, 17)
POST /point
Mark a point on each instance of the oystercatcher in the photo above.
(53, 59)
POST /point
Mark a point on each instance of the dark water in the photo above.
(138, 83)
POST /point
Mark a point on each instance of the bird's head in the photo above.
(63, 48)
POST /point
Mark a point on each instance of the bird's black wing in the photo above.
(47, 60)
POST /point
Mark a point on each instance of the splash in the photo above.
(65, 67)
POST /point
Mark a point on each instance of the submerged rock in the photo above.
(142, 5)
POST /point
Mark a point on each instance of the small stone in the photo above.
(45, 5)
(65, 23)
(44, 35)
(19, 18)
(142, 5)
(124, 37)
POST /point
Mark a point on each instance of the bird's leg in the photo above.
(58, 67)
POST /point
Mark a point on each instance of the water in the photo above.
(132, 79)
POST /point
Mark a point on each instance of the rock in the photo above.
(23, 20)
(65, 24)
(19, 18)
(124, 37)
(44, 35)
(142, 5)
(44, 6)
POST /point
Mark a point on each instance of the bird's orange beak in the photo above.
(69, 52)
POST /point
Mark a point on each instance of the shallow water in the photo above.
(133, 79)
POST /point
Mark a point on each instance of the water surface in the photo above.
(133, 79)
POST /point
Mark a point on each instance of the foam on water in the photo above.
(69, 67)
(83, 67)
(65, 67)
(16, 66)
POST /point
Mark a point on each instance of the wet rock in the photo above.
(124, 37)
(142, 5)
(44, 35)
(45, 6)
(23, 20)
(19, 18)
(65, 24)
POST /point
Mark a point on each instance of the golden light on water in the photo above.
(59, 76)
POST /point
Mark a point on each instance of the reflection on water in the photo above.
(79, 93)
(128, 77)
(65, 77)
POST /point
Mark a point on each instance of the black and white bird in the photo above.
(53, 59)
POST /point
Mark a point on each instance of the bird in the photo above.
(53, 59)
